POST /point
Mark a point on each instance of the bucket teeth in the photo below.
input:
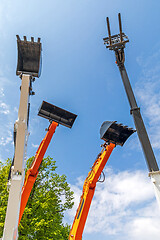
(18, 38)
(115, 132)
(25, 38)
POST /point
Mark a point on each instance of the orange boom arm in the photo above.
(88, 192)
(113, 134)
(56, 116)
(32, 173)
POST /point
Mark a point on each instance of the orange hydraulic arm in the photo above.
(113, 134)
(88, 192)
(56, 116)
(32, 173)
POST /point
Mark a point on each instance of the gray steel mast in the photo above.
(28, 67)
(117, 44)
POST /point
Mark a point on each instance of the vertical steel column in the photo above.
(17, 179)
(117, 44)
(139, 124)
(28, 66)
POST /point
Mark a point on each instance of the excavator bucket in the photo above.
(56, 114)
(29, 57)
(115, 133)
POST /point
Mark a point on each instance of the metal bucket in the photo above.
(110, 131)
(56, 114)
(29, 57)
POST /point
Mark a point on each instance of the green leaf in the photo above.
(49, 199)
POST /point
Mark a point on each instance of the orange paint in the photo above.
(88, 193)
(32, 173)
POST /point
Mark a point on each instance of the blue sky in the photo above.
(80, 75)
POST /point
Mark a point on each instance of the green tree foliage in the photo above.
(4, 170)
(50, 197)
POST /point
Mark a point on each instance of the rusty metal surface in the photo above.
(115, 41)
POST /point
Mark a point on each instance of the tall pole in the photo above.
(139, 124)
(117, 44)
(28, 66)
(17, 173)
